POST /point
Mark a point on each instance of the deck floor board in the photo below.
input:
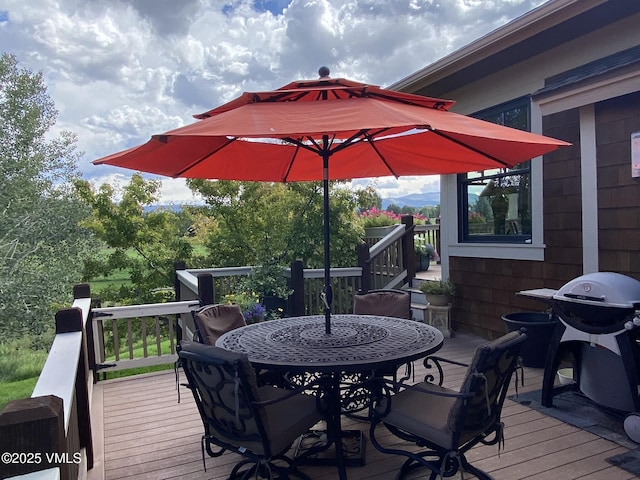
(147, 434)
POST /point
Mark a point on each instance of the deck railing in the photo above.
(50, 433)
(138, 335)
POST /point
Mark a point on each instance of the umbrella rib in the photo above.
(350, 141)
(290, 166)
(384, 160)
(203, 158)
(361, 135)
(469, 147)
(300, 144)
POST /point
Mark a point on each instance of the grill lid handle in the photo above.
(585, 297)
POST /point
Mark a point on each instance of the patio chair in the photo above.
(212, 321)
(259, 423)
(389, 303)
(447, 422)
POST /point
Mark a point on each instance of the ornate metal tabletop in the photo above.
(356, 342)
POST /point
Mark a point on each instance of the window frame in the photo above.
(525, 168)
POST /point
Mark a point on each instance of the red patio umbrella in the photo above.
(331, 129)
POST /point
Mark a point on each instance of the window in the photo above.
(496, 204)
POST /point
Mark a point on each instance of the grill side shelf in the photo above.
(542, 294)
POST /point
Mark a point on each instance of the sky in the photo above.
(120, 71)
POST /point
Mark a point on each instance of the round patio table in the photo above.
(357, 343)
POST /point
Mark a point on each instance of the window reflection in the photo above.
(498, 202)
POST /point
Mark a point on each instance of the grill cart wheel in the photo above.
(632, 426)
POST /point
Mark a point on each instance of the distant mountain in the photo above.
(417, 200)
(170, 207)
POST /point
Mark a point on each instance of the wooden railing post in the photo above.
(179, 265)
(364, 262)
(437, 233)
(297, 284)
(206, 292)
(408, 248)
(33, 427)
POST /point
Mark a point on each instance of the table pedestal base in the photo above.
(353, 445)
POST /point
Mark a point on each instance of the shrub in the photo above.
(438, 287)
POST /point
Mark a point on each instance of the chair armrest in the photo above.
(435, 361)
(382, 402)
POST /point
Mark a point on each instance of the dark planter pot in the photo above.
(276, 306)
(423, 263)
(539, 328)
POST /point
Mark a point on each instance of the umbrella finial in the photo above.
(324, 72)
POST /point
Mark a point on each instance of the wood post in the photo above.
(206, 292)
(297, 284)
(30, 429)
(364, 262)
(408, 248)
(179, 265)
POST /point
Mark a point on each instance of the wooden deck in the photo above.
(142, 432)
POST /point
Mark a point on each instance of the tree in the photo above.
(41, 242)
(368, 198)
(258, 222)
(145, 244)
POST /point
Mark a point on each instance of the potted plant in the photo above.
(268, 282)
(425, 252)
(252, 310)
(438, 292)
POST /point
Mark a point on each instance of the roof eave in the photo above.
(537, 20)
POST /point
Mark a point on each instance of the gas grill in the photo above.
(600, 327)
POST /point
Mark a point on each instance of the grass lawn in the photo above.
(16, 390)
(138, 351)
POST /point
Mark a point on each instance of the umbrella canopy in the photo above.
(331, 129)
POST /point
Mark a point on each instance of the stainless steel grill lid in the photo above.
(601, 289)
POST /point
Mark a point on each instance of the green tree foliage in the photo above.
(144, 244)
(367, 198)
(41, 243)
(264, 222)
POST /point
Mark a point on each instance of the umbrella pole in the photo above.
(328, 289)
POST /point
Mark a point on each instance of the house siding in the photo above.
(562, 192)
(618, 192)
(487, 290)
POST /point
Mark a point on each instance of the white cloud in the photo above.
(175, 190)
(172, 190)
(121, 70)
